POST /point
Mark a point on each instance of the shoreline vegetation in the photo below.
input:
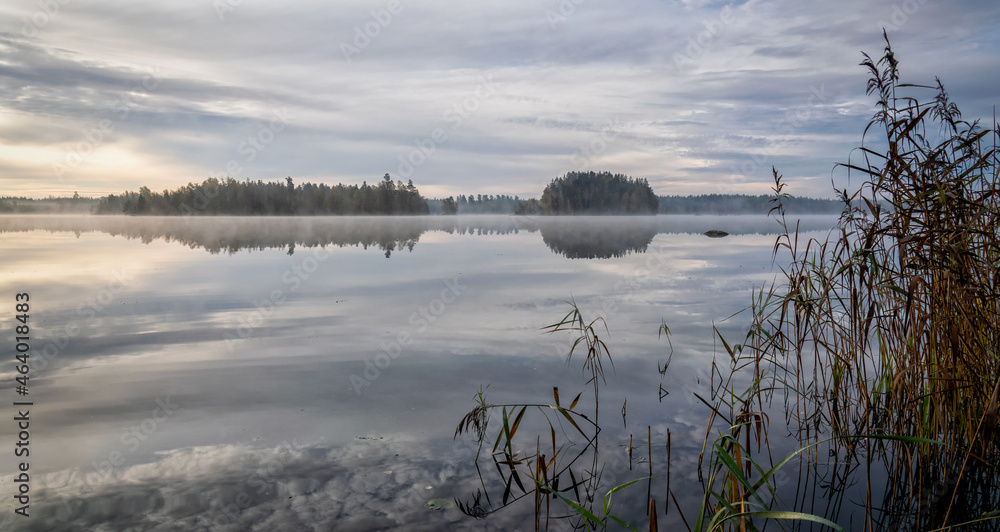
(874, 353)
(574, 194)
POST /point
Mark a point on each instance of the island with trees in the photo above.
(585, 193)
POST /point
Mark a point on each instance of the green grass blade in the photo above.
(799, 516)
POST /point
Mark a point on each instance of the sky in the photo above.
(491, 97)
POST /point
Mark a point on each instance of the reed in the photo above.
(569, 468)
(900, 313)
(884, 336)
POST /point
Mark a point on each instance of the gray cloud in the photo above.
(559, 75)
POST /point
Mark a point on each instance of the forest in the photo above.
(594, 193)
(232, 197)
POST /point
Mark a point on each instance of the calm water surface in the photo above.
(308, 374)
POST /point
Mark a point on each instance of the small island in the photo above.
(588, 193)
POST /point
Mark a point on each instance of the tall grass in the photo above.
(890, 328)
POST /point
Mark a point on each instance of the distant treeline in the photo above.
(232, 197)
(739, 204)
(476, 204)
(50, 205)
(9, 204)
(593, 193)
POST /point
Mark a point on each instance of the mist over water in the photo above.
(586, 236)
(227, 373)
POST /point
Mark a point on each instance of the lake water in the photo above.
(308, 373)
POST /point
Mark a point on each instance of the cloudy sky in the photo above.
(473, 97)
